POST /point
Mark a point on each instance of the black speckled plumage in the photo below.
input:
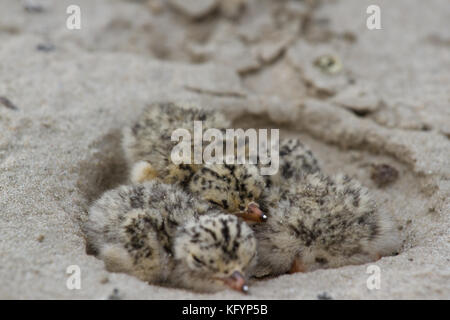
(161, 234)
(322, 222)
(148, 147)
(148, 140)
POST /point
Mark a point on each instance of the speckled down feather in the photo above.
(148, 146)
(149, 138)
(162, 235)
(231, 187)
(322, 222)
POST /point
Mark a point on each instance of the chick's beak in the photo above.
(236, 282)
(253, 213)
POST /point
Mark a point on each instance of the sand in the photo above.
(66, 94)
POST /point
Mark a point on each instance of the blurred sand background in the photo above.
(66, 94)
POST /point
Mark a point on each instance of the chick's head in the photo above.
(217, 251)
(235, 188)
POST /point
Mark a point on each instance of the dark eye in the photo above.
(198, 261)
(321, 260)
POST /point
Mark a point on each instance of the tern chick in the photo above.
(323, 222)
(148, 145)
(162, 235)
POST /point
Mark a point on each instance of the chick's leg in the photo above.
(297, 266)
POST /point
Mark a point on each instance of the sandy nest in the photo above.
(66, 94)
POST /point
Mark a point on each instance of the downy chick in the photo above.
(323, 222)
(148, 146)
(161, 235)
(239, 188)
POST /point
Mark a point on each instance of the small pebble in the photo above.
(45, 47)
(328, 64)
(115, 295)
(40, 238)
(33, 6)
(7, 103)
(324, 296)
(104, 280)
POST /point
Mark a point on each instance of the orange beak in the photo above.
(253, 213)
(236, 282)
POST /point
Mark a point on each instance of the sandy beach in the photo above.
(65, 96)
